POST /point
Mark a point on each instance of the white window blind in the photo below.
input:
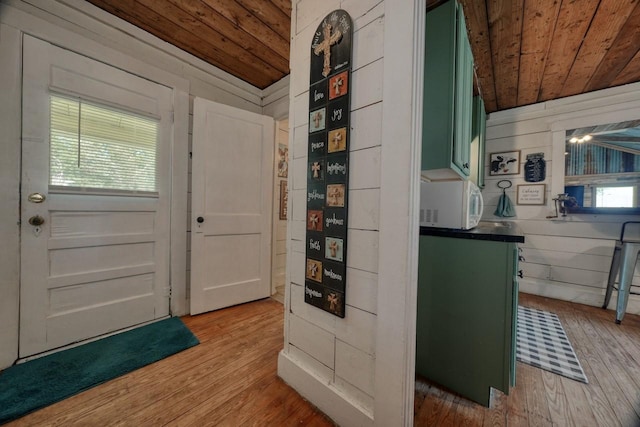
(99, 147)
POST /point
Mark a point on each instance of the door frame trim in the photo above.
(399, 212)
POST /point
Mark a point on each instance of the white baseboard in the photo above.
(576, 293)
(328, 399)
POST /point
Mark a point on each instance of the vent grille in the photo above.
(429, 216)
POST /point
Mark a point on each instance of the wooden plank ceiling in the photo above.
(525, 51)
(537, 50)
(246, 38)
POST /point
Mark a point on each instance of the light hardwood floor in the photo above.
(609, 355)
(230, 380)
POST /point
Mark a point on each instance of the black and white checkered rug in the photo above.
(543, 343)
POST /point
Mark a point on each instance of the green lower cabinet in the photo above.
(467, 308)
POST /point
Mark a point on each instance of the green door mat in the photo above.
(49, 379)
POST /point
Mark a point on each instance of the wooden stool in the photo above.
(625, 256)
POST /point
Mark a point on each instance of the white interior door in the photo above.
(232, 183)
(99, 262)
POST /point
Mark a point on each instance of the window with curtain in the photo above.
(98, 147)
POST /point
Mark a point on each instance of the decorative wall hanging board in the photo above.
(328, 165)
(535, 168)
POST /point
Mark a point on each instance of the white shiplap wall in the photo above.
(569, 257)
(360, 370)
(341, 353)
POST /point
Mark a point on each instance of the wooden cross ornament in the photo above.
(317, 117)
(337, 84)
(313, 269)
(325, 47)
(315, 167)
(333, 248)
(332, 299)
(314, 221)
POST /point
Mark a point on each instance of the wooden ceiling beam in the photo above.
(537, 32)
(182, 21)
(505, 28)
(572, 25)
(265, 50)
(605, 26)
(475, 13)
(622, 51)
(158, 25)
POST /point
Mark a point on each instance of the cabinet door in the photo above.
(464, 330)
(514, 317)
(478, 138)
(463, 96)
(439, 87)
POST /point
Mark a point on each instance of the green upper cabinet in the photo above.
(448, 94)
(477, 142)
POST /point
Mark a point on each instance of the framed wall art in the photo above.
(505, 163)
(532, 194)
(284, 200)
(283, 161)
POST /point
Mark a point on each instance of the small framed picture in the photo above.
(314, 270)
(283, 160)
(314, 220)
(335, 195)
(333, 249)
(533, 194)
(505, 163)
(284, 200)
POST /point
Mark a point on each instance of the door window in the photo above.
(99, 147)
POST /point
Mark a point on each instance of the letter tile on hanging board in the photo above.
(328, 166)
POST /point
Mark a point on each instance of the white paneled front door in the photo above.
(93, 260)
(231, 204)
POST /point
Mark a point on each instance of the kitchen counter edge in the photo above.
(485, 230)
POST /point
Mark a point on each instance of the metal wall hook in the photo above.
(504, 184)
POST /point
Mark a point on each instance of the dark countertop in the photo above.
(497, 231)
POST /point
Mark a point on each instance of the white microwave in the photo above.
(450, 204)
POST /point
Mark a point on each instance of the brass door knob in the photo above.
(36, 220)
(36, 198)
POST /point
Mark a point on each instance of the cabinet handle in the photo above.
(466, 165)
(520, 275)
